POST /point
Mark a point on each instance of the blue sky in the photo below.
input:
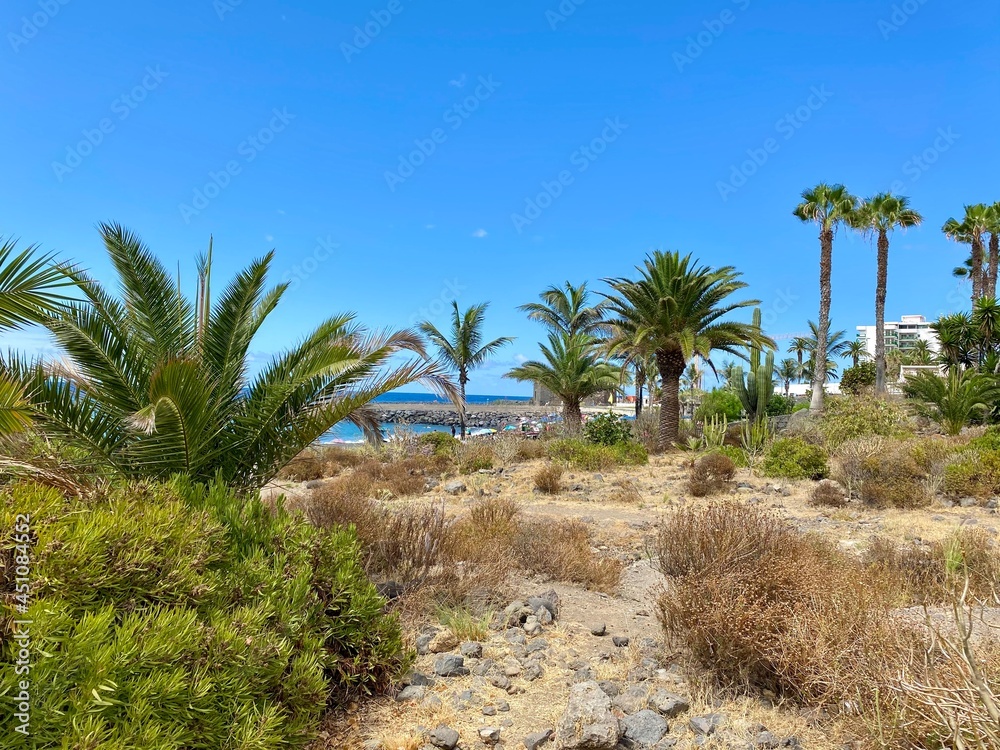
(395, 154)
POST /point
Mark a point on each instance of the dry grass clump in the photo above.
(828, 493)
(548, 479)
(305, 467)
(473, 456)
(531, 449)
(894, 481)
(624, 492)
(711, 474)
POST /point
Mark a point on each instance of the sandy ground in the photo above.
(627, 531)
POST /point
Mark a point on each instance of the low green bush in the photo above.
(794, 458)
(988, 441)
(780, 405)
(858, 380)
(440, 443)
(607, 429)
(974, 473)
(850, 417)
(178, 616)
(592, 457)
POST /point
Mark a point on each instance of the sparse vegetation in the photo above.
(711, 474)
(794, 458)
(548, 479)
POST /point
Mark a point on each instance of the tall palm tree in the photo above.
(152, 383)
(921, 352)
(857, 350)
(676, 309)
(31, 287)
(462, 349)
(993, 225)
(786, 371)
(566, 309)
(878, 216)
(975, 223)
(573, 369)
(798, 346)
(828, 206)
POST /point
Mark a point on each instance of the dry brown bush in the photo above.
(305, 467)
(562, 551)
(893, 481)
(531, 449)
(829, 494)
(474, 456)
(718, 537)
(548, 479)
(336, 459)
(711, 474)
(624, 492)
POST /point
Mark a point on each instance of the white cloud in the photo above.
(480, 233)
(459, 82)
(520, 359)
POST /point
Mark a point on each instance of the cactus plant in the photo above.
(757, 388)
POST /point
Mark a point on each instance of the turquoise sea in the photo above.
(345, 432)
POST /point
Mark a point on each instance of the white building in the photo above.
(901, 335)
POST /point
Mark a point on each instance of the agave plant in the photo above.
(153, 383)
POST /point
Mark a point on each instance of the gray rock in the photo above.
(598, 628)
(544, 616)
(455, 487)
(490, 735)
(511, 616)
(536, 739)
(483, 668)
(444, 737)
(611, 689)
(472, 650)
(621, 641)
(587, 723)
(532, 626)
(669, 704)
(450, 665)
(767, 741)
(992, 503)
(515, 635)
(489, 711)
(549, 600)
(411, 693)
(633, 700)
(643, 730)
(533, 671)
(968, 502)
(537, 645)
(503, 706)
(418, 678)
(423, 643)
(707, 724)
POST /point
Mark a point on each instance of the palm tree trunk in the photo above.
(640, 381)
(977, 268)
(462, 380)
(572, 415)
(819, 372)
(881, 282)
(671, 366)
(991, 279)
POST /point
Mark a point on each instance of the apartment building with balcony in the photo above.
(901, 335)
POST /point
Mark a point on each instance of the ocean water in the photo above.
(348, 433)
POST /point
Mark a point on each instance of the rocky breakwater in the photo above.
(493, 417)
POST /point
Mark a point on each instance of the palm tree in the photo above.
(566, 310)
(954, 400)
(786, 371)
(976, 222)
(152, 384)
(993, 226)
(921, 352)
(856, 350)
(878, 216)
(462, 349)
(30, 289)
(573, 370)
(798, 346)
(676, 309)
(829, 206)
(836, 345)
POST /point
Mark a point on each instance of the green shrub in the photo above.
(592, 457)
(607, 429)
(735, 454)
(974, 473)
(779, 405)
(988, 441)
(794, 458)
(801, 406)
(176, 616)
(440, 443)
(858, 380)
(720, 402)
(851, 417)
